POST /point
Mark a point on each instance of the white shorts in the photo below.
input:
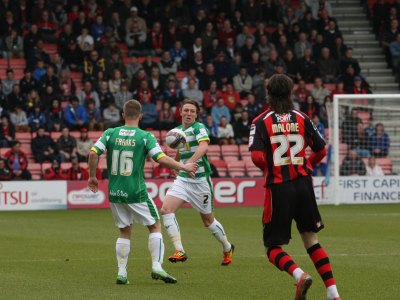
(199, 194)
(144, 213)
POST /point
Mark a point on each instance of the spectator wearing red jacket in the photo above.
(76, 172)
(162, 172)
(17, 162)
(211, 96)
(55, 172)
(231, 97)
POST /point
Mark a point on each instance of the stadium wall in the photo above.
(59, 195)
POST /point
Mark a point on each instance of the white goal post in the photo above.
(353, 188)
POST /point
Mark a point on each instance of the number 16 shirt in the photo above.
(284, 139)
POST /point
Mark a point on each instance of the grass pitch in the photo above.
(70, 255)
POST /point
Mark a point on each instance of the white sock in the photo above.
(332, 292)
(297, 274)
(156, 248)
(122, 249)
(173, 231)
(219, 233)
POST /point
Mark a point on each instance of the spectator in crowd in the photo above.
(339, 89)
(172, 93)
(16, 98)
(319, 91)
(166, 116)
(352, 165)
(39, 70)
(74, 60)
(321, 167)
(111, 116)
(7, 132)
(220, 110)
(36, 119)
(350, 126)
(67, 86)
(212, 130)
(19, 119)
(115, 62)
(43, 147)
(5, 173)
(310, 107)
(178, 54)
(243, 82)
(134, 17)
(231, 97)
(156, 83)
(301, 93)
(327, 66)
(193, 92)
(144, 89)
(75, 115)
(308, 67)
(17, 162)
(83, 145)
(225, 132)
(380, 141)
(87, 94)
(114, 84)
(161, 172)
(54, 116)
(122, 96)
(361, 142)
(66, 145)
(94, 116)
(149, 114)
(133, 67)
(348, 60)
(85, 41)
(47, 28)
(301, 45)
(253, 108)
(92, 65)
(9, 82)
(372, 168)
(14, 45)
(360, 86)
(135, 38)
(28, 83)
(54, 172)
(395, 53)
(167, 65)
(211, 96)
(76, 172)
(105, 96)
(242, 129)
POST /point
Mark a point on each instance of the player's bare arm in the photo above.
(190, 168)
(93, 183)
(200, 151)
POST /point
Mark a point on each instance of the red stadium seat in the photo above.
(84, 165)
(55, 135)
(221, 167)
(23, 137)
(230, 152)
(36, 170)
(75, 134)
(148, 169)
(252, 170)
(386, 164)
(94, 135)
(50, 48)
(236, 168)
(244, 151)
(214, 152)
(65, 165)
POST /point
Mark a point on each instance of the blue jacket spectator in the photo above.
(220, 110)
(37, 119)
(150, 114)
(76, 115)
(380, 141)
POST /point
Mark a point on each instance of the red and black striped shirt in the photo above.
(284, 138)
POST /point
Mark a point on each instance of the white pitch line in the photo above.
(194, 257)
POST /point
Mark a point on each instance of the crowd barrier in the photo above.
(58, 195)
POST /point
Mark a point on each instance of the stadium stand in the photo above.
(217, 56)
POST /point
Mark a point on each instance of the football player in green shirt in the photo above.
(127, 147)
(197, 191)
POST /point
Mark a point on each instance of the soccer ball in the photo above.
(176, 139)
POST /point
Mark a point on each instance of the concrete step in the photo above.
(354, 29)
(338, 11)
(387, 86)
(360, 50)
(372, 57)
(355, 23)
(358, 37)
(381, 79)
(362, 43)
(376, 72)
(371, 65)
(351, 16)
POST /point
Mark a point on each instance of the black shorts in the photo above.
(287, 201)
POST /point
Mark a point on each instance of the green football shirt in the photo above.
(127, 148)
(196, 133)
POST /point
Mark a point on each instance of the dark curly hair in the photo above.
(279, 91)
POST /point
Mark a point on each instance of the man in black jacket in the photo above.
(43, 147)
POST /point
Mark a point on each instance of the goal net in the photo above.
(362, 133)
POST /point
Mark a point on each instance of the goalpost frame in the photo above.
(336, 126)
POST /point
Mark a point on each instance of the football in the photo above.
(176, 139)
